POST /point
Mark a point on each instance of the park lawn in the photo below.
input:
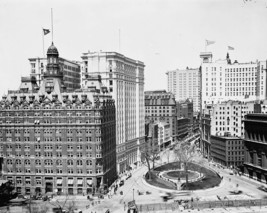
(210, 180)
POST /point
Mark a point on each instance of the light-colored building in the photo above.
(223, 80)
(124, 78)
(227, 117)
(161, 106)
(70, 69)
(164, 134)
(185, 84)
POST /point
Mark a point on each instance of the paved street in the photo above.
(118, 202)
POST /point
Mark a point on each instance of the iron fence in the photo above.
(188, 204)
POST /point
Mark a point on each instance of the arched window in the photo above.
(27, 162)
(9, 162)
(18, 161)
(70, 162)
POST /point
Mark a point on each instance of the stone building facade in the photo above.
(227, 151)
(57, 141)
(255, 142)
(124, 78)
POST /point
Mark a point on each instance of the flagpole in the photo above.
(52, 24)
(43, 42)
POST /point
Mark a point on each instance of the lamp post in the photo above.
(133, 194)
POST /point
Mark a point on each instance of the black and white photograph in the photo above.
(133, 106)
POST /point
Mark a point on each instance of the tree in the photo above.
(149, 156)
(6, 192)
(184, 152)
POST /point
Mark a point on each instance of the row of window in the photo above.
(51, 154)
(49, 162)
(53, 171)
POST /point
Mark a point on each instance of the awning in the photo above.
(89, 182)
(70, 181)
(59, 181)
(80, 181)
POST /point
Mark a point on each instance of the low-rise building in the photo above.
(227, 151)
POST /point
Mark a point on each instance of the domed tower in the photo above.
(53, 76)
(53, 68)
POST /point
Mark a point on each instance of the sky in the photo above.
(164, 34)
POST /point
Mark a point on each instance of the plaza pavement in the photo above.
(117, 203)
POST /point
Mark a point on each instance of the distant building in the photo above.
(124, 78)
(152, 137)
(183, 127)
(58, 141)
(185, 84)
(164, 135)
(160, 106)
(255, 165)
(157, 135)
(224, 80)
(70, 69)
(227, 117)
(185, 110)
(227, 151)
(205, 142)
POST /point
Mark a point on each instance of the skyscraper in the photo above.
(124, 78)
(224, 80)
(185, 84)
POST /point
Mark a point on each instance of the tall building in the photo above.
(255, 165)
(161, 106)
(70, 69)
(223, 80)
(124, 78)
(58, 141)
(185, 84)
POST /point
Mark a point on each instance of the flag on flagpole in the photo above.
(230, 48)
(46, 31)
(209, 42)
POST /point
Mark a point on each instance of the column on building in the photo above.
(263, 158)
(255, 157)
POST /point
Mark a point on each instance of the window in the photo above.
(27, 162)
(89, 163)
(79, 162)
(59, 162)
(59, 154)
(48, 162)
(70, 162)
(38, 162)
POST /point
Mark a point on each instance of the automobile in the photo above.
(166, 196)
(263, 188)
(121, 183)
(19, 200)
(77, 211)
(231, 172)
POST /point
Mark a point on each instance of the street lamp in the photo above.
(133, 194)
